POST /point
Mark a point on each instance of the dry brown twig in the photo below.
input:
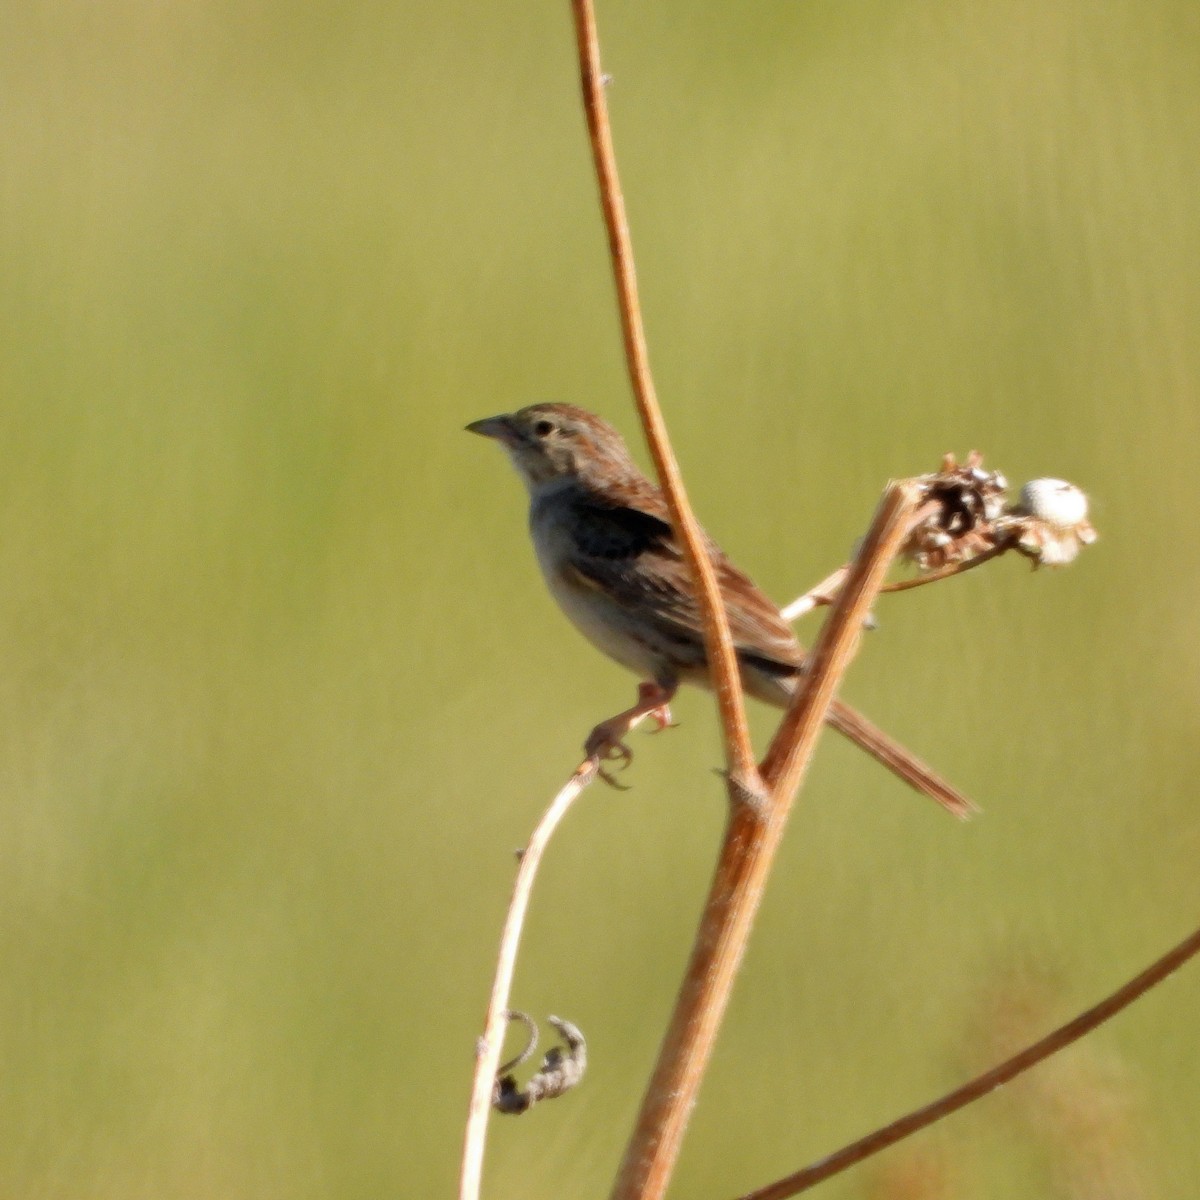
(487, 1058)
(739, 754)
(981, 1085)
(488, 1055)
(754, 827)
(752, 837)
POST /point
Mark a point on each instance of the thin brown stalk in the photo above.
(826, 591)
(950, 569)
(752, 837)
(739, 753)
(787, 757)
(981, 1085)
(487, 1059)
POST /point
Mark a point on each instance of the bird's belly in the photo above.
(601, 620)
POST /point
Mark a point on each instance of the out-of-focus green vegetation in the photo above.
(281, 689)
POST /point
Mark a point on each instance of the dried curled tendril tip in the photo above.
(562, 1068)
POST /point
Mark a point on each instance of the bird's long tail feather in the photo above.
(891, 754)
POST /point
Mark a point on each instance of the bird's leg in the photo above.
(605, 744)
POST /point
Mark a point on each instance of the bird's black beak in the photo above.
(501, 428)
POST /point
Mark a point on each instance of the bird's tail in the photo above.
(895, 757)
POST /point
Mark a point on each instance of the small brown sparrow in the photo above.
(605, 545)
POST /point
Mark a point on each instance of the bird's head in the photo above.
(549, 443)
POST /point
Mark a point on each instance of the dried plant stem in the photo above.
(950, 569)
(487, 1058)
(821, 593)
(718, 644)
(980, 1086)
(752, 837)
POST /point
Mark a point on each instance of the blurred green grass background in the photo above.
(281, 687)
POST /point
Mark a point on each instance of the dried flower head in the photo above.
(962, 504)
(966, 517)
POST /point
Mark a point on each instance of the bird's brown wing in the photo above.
(630, 552)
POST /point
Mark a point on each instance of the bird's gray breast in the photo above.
(566, 541)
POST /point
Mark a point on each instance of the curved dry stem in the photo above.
(487, 1059)
(949, 570)
(718, 644)
(981, 1085)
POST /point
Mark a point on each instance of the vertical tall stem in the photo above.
(752, 839)
(718, 644)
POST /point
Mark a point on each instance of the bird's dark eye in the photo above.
(544, 428)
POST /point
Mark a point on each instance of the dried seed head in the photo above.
(1060, 503)
(1049, 523)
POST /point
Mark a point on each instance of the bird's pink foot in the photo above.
(605, 743)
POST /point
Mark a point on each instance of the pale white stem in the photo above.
(824, 592)
(487, 1059)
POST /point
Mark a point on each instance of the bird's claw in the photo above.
(612, 780)
(603, 746)
(612, 752)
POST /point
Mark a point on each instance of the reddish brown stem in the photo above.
(723, 665)
(782, 768)
(752, 838)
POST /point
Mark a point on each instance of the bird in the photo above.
(603, 538)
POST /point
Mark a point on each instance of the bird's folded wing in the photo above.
(633, 557)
